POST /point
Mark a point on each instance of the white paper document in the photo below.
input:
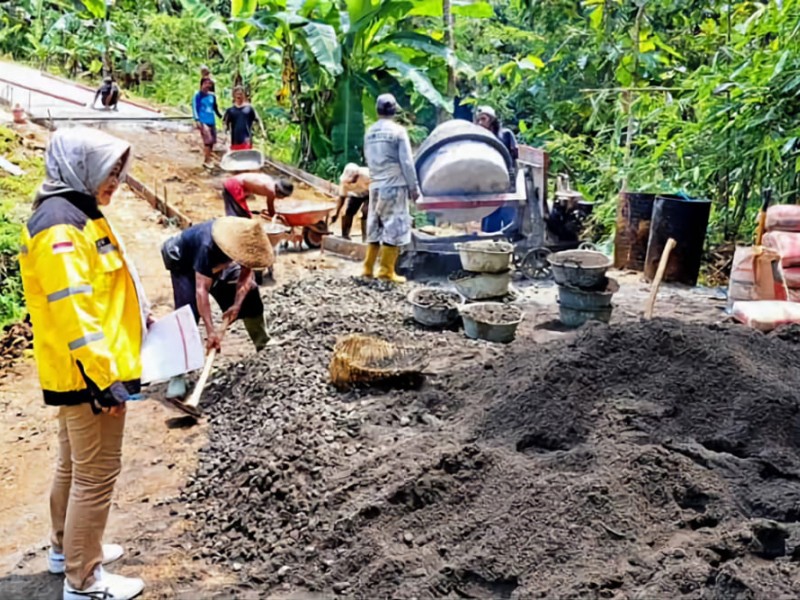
(172, 347)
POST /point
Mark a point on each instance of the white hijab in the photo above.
(79, 159)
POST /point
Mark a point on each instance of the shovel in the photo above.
(190, 407)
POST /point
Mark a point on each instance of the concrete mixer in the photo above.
(465, 174)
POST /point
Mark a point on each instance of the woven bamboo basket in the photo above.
(365, 360)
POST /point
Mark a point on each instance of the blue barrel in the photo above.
(686, 221)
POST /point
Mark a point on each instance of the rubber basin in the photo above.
(435, 316)
(485, 256)
(580, 268)
(575, 317)
(481, 286)
(581, 299)
(476, 329)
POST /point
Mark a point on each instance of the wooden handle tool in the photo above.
(762, 215)
(662, 267)
(190, 407)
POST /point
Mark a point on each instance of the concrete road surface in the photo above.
(44, 96)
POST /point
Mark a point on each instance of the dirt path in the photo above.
(170, 160)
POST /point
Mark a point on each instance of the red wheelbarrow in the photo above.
(311, 216)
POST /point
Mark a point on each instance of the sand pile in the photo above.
(644, 460)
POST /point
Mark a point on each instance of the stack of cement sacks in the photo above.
(783, 236)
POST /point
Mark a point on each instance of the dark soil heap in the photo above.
(15, 339)
(653, 459)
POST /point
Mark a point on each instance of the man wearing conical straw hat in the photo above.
(216, 259)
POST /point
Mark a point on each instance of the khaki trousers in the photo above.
(89, 461)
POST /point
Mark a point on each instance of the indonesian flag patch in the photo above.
(63, 247)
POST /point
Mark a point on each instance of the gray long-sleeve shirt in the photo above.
(389, 157)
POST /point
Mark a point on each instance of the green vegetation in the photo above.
(668, 95)
(16, 194)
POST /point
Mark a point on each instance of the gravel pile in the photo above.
(643, 460)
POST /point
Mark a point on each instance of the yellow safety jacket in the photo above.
(83, 302)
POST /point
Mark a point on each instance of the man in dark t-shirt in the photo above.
(200, 269)
(239, 120)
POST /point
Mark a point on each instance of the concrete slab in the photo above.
(43, 96)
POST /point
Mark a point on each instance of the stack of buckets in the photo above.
(584, 291)
(486, 273)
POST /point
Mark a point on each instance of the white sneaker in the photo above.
(55, 561)
(106, 587)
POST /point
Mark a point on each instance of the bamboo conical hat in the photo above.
(244, 241)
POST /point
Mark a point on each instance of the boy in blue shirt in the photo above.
(205, 111)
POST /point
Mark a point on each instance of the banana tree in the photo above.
(231, 34)
(336, 62)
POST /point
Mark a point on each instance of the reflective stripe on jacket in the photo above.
(82, 300)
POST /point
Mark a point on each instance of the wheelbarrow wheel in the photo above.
(535, 264)
(586, 245)
(518, 257)
(313, 237)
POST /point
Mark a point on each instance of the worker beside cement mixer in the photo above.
(393, 183)
(487, 118)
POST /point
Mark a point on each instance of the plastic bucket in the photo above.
(686, 221)
(633, 230)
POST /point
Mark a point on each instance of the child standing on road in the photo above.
(205, 111)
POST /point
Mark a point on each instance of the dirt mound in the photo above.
(641, 460)
(15, 339)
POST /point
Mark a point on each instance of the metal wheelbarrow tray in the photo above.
(311, 216)
(242, 160)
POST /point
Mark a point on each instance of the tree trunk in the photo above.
(449, 40)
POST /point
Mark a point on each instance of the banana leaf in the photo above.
(347, 133)
(418, 79)
(322, 42)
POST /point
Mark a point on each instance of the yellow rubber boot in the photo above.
(387, 261)
(369, 260)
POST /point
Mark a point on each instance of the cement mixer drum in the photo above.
(461, 158)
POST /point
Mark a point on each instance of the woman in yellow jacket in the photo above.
(88, 316)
